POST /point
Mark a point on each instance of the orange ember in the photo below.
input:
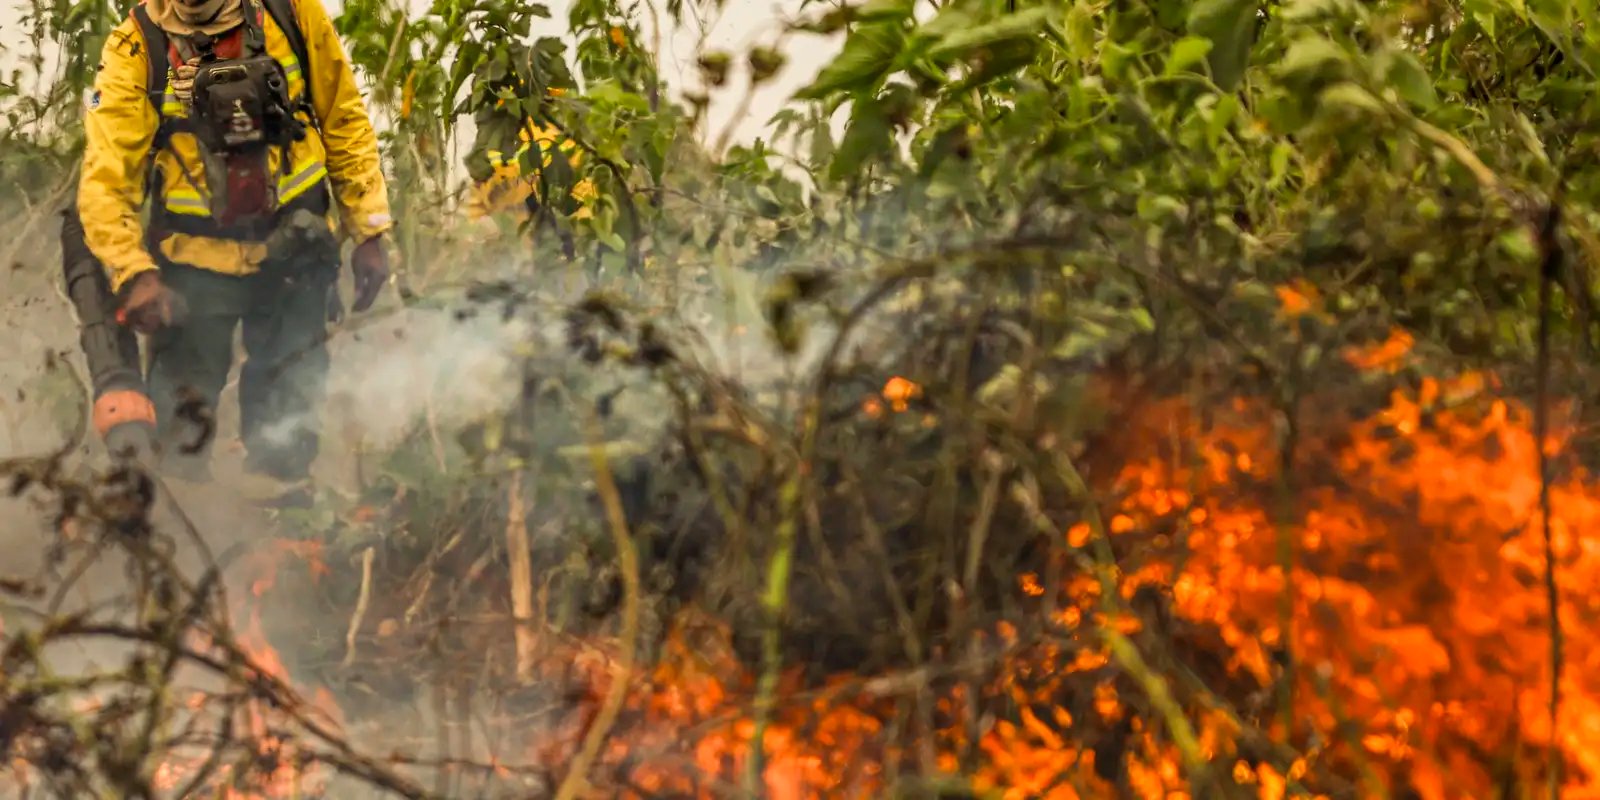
(900, 392)
(1298, 299)
(1386, 356)
(896, 395)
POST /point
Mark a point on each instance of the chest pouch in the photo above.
(241, 109)
(242, 105)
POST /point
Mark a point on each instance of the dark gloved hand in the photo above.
(370, 265)
(148, 305)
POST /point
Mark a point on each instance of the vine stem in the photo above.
(577, 778)
(1101, 562)
(1548, 272)
(775, 602)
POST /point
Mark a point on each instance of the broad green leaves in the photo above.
(868, 54)
(1401, 71)
(1351, 99)
(1312, 62)
(1230, 25)
(885, 42)
(1022, 25)
(1186, 53)
(868, 134)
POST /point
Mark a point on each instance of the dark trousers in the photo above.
(280, 385)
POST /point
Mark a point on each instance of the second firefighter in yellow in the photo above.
(509, 188)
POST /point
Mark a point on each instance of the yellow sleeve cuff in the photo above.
(364, 226)
(121, 277)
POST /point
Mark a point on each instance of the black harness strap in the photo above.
(157, 48)
(288, 21)
(157, 44)
(315, 200)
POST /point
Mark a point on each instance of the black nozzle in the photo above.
(132, 441)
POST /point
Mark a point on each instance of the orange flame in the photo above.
(1387, 356)
(285, 774)
(1414, 616)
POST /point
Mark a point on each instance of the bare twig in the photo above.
(360, 613)
(1549, 273)
(521, 561)
(577, 780)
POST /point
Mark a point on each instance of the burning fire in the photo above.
(1393, 598)
(278, 770)
(1410, 603)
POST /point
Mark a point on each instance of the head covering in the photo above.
(188, 17)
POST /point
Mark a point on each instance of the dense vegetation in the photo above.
(1135, 398)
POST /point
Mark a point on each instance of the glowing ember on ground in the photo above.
(896, 396)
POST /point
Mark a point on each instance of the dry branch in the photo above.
(521, 562)
(360, 612)
(622, 673)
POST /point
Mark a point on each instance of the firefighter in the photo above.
(501, 184)
(227, 146)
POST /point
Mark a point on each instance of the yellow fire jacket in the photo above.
(121, 126)
(507, 188)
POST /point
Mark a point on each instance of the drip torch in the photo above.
(123, 415)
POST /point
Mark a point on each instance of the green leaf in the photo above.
(875, 10)
(1311, 59)
(868, 135)
(1186, 52)
(1142, 319)
(1002, 59)
(944, 144)
(821, 145)
(1081, 30)
(1020, 25)
(1115, 60)
(1349, 97)
(769, 205)
(1308, 11)
(1157, 207)
(948, 21)
(1222, 117)
(1405, 74)
(1231, 27)
(1483, 13)
(1519, 245)
(868, 53)
(1281, 153)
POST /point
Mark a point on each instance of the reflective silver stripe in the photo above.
(189, 202)
(304, 178)
(190, 205)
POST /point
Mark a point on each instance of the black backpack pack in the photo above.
(157, 43)
(158, 46)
